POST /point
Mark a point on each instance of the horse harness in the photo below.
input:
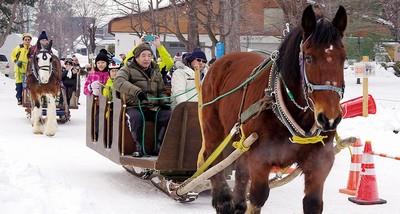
(273, 99)
(35, 69)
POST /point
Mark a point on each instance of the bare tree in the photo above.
(391, 12)
(8, 16)
(53, 16)
(141, 13)
(231, 16)
(146, 17)
(217, 18)
(292, 10)
(91, 13)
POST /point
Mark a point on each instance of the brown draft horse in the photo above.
(43, 79)
(310, 64)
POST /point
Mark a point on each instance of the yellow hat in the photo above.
(26, 35)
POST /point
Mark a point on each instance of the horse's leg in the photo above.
(241, 182)
(36, 114)
(51, 123)
(221, 193)
(259, 188)
(315, 173)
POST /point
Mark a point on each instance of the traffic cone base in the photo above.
(364, 202)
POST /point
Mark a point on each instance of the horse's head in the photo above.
(322, 57)
(43, 62)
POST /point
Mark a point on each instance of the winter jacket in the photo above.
(100, 76)
(20, 53)
(107, 90)
(132, 79)
(69, 82)
(166, 59)
(182, 81)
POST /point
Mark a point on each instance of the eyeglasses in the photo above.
(201, 60)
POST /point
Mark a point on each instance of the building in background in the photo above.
(260, 29)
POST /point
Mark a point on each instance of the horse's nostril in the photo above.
(336, 122)
(322, 119)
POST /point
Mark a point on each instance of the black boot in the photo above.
(138, 153)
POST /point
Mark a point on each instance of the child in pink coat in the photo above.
(95, 81)
(97, 78)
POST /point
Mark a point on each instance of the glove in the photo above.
(95, 85)
(96, 91)
(19, 64)
(142, 96)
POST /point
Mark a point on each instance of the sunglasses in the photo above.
(201, 60)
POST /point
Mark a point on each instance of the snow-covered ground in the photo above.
(60, 175)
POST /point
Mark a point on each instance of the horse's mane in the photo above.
(288, 62)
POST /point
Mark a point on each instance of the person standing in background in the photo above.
(20, 57)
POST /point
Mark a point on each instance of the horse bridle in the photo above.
(278, 106)
(36, 67)
(309, 87)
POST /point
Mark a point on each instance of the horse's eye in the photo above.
(308, 58)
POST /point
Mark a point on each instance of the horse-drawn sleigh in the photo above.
(43, 95)
(288, 106)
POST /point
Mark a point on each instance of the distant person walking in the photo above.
(20, 58)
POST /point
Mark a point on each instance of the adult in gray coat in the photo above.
(138, 80)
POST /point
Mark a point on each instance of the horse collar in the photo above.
(279, 108)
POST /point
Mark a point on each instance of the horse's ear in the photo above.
(340, 20)
(308, 21)
(50, 45)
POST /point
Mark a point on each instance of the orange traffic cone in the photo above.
(367, 192)
(355, 167)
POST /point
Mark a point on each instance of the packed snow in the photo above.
(60, 175)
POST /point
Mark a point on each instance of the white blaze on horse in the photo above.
(44, 79)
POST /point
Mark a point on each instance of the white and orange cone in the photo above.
(367, 193)
(355, 167)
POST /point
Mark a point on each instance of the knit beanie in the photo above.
(140, 48)
(196, 54)
(43, 35)
(102, 56)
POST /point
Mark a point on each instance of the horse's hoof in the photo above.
(240, 208)
(224, 206)
(37, 132)
(252, 209)
(50, 134)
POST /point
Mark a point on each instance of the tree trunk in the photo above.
(193, 35)
(3, 36)
(231, 18)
